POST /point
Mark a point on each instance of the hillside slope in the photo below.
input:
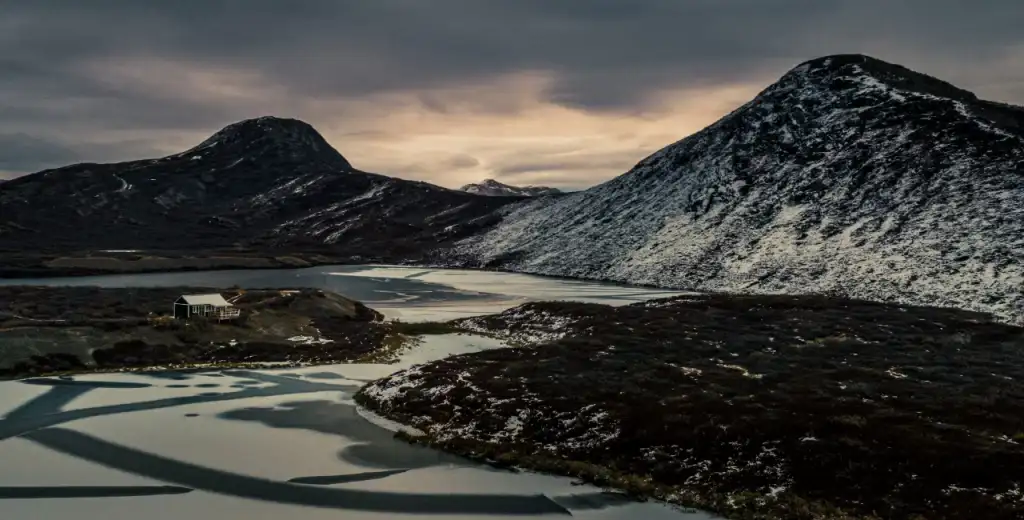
(849, 175)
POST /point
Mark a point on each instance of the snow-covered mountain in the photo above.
(493, 188)
(849, 175)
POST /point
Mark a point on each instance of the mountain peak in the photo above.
(272, 136)
(837, 70)
(493, 188)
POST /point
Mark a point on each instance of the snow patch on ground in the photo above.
(534, 327)
(893, 373)
(386, 423)
(742, 370)
(310, 340)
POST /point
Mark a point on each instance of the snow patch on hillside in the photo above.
(523, 326)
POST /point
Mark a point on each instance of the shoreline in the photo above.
(67, 329)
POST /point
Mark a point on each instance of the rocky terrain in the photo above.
(493, 188)
(57, 329)
(849, 176)
(770, 407)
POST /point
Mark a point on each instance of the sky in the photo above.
(565, 93)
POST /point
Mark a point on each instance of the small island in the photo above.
(46, 330)
(778, 407)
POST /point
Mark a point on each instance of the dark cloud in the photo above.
(513, 170)
(64, 63)
(22, 152)
(569, 172)
(439, 166)
(459, 162)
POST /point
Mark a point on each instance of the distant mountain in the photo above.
(493, 188)
(849, 175)
(260, 183)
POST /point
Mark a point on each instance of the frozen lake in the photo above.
(407, 293)
(286, 443)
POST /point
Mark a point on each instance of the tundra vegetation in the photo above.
(62, 329)
(750, 406)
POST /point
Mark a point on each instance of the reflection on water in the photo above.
(376, 474)
(25, 492)
(369, 446)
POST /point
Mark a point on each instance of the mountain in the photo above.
(493, 188)
(262, 183)
(848, 176)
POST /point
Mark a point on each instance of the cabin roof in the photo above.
(205, 299)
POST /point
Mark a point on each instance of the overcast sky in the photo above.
(559, 92)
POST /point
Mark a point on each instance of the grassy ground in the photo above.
(58, 329)
(753, 407)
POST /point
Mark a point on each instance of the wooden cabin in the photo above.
(212, 306)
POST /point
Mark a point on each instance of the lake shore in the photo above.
(75, 329)
(57, 324)
(750, 407)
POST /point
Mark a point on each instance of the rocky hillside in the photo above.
(848, 176)
(260, 183)
(493, 188)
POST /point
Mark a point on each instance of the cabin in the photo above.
(212, 306)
